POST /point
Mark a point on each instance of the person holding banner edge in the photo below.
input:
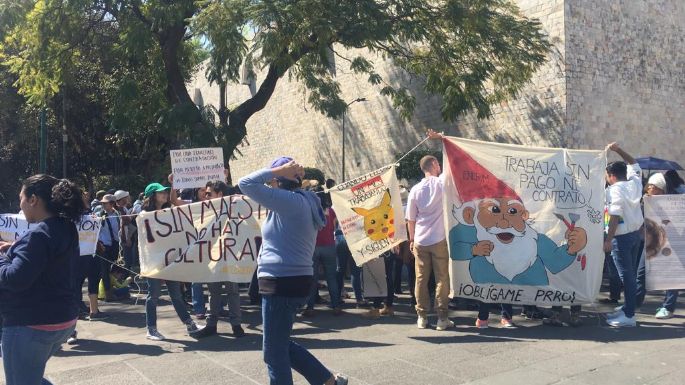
(623, 236)
(157, 198)
(284, 267)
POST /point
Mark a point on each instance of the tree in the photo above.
(473, 53)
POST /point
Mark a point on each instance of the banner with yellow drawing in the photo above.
(369, 209)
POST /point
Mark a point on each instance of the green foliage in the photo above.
(409, 166)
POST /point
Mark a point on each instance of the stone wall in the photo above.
(625, 74)
(616, 72)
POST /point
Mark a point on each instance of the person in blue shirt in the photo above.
(284, 267)
(38, 298)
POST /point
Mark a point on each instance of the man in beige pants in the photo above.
(427, 241)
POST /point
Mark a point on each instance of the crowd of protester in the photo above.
(303, 250)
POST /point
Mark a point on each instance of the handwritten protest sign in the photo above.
(210, 241)
(665, 242)
(524, 223)
(13, 226)
(195, 167)
(369, 209)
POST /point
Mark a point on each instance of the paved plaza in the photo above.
(386, 351)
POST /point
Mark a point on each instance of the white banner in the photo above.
(524, 223)
(374, 282)
(370, 213)
(210, 241)
(13, 226)
(665, 242)
(194, 167)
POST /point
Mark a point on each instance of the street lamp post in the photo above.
(343, 133)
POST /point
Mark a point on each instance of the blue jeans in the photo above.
(484, 311)
(198, 298)
(280, 353)
(641, 277)
(670, 300)
(344, 255)
(25, 352)
(625, 250)
(325, 256)
(614, 279)
(153, 293)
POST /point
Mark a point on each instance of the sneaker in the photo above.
(481, 323)
(553, 320)
(191, 326)
(99, 316)
(618, 312)
(154, 335)
(507, 323)
(73, 338)
(444, 324)
(422, 322)
(622, 321)
(373, 313)
(340, 379)
(238, 331)
(362, 304)
(208, 330)
(663, 313)
(308, 313)
(387, 311)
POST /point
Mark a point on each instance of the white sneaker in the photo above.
(622, 321)
(444, 324)
(154, 335)
(422, 322)
(616, 313)
(663, 313)
(73, 339)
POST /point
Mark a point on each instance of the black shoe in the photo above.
(238, 331)
(206, 331)
(608, 301)
(99, 316)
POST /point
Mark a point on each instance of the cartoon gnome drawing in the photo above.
(494, 231)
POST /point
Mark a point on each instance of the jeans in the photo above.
(389, 281)
(614, 279)
(198, 298)
(153, 292)
(282, 354)
(344, 256)
(507, 310)
(216, 303)
(325, 256)
(641, 278)
(625, 251)
(25, 352)
(670, 300)
(433, 258)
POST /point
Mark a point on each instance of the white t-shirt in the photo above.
(623, 199)
(424, 205)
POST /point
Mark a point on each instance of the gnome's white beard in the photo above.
(510, 259)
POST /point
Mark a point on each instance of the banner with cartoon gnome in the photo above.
(524, 223)
(369, 210)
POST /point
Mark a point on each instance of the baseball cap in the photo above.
(153, 188)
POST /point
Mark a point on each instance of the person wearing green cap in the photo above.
(157, 198)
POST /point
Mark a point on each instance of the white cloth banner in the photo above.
(211, 241)
(665, 242)
(369, 209)
(194, 167)
(524, 223)
(13, 226)
(374, 283)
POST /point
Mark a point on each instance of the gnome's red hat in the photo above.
(472, 180)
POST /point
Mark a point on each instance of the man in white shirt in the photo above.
(623, 237)
(427, 242)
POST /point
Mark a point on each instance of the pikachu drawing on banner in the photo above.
(369, 210)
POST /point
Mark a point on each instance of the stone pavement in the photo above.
(387, 351)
